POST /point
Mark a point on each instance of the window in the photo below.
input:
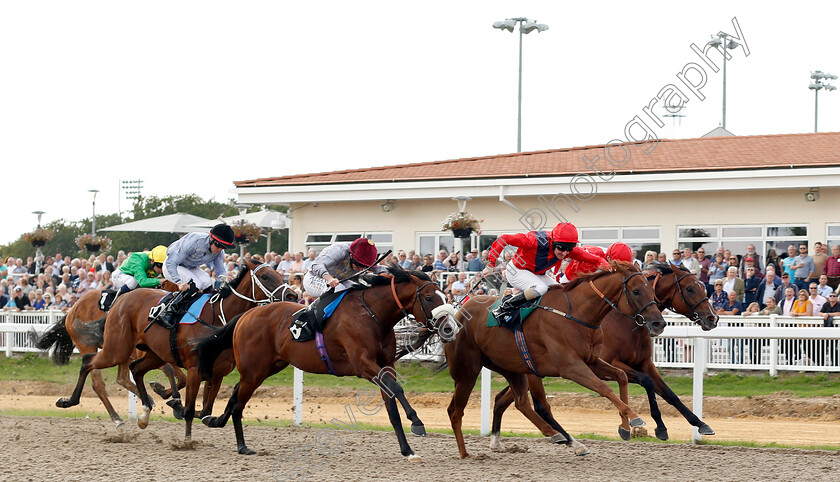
(432, 243)
(736, 238)
(639, 238)
(319, 241)
(832, 235)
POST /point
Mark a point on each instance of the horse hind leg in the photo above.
(386, 380)
(102, 393)
(211, 390)
(601, 370)
(502, 402)
(645, 381)
(669, 396)
(139, 368)
(87, 365)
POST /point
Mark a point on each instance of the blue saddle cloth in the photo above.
(194, 312)
(330, 308)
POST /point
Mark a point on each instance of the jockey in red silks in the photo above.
(616, 252)
(537, 252)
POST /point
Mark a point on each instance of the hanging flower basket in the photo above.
(461, 224)
(245, 233)
(92, 244)
(39, 236)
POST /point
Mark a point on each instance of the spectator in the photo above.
(756, 258)
(459, 288)
(815, 298)
(705, 262)
(285, 263)
(439, 264)
(832, 267)
(311, 255)
(447, 290)
(662, 258)
(771, 309)
(106, 283)
(39, 303)
(416, 263)
(48, 301)
(732, 306)
(767, 288)
(718, 297)
(804, 268)
(751, 310)
(822, 288)
(452, 262)
(690, 262)
(786, 282)
(474, 261)
(749, 262)
(296, 266)
(773, 260)
(60, 304)
(717, 268)
(677, 257)
(402, 260)
(819, 259)
(19, 301)
(86, 282)
(802, 306)
(650, 258)
(786, 304)
(297, 284)
(751, 284)
(427, 267)
(830, 309)
(787, 262)
(733, 283)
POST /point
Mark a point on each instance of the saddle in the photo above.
(307, 321)
(514, 320)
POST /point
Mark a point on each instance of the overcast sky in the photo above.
(190, 96)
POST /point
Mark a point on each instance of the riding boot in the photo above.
(176, 305)
(502, 311)
(309, 313)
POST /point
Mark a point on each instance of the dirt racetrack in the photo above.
(42, 448)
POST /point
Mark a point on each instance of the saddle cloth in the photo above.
(187, 317)
(516, 319)
(315, 317)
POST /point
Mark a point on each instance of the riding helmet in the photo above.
(620, 252)
(564, 233)
(363, 251)
(158, 254)
(223, 234)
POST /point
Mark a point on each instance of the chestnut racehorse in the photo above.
(631, 350)
(561, 338)
(126, 326)
(85, 317)
(358, 338)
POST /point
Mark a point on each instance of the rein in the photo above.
(693, 315)
(255, 282)
(638, 318)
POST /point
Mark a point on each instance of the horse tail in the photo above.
(90, 333)
(59, 336)
(414, 342)
(209, 347)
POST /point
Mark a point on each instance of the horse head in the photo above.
(427, 302)
(260, 284)
(637, 299)
(678, 289)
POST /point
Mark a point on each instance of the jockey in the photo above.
(184, 257)
(141, 269)
(538, 252)
(340, 260)
(616, 252)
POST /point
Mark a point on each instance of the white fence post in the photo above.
(486, 374)
(774, 349)
(132, 400)
(700, 353)
(298, 397)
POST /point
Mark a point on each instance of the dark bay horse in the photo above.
(631, 349)
(125, 329)
(359, 340)
(86, 317)
(561, 337)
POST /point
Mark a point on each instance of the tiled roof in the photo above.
(710, 153)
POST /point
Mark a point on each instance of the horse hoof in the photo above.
(558, 438)
(705, 430)
(143, 419)
(177, 408)
(120, 423)
(159, 389)
(623, 433)
(244, 450)
(638, 432)
(661, 433)
(64, 402)
(414, 458)
(419, 430)
(637, 422)
(581, 451)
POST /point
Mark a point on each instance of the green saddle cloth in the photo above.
(523, 312)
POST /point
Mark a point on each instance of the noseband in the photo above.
(638, 318)
(693, 315)
(255, 281)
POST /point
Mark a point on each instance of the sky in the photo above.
(190, 96)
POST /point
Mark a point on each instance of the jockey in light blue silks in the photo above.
(339, 261)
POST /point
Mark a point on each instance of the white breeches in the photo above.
(523, 279)
(316, 286)
(121, 279)
(199, 276)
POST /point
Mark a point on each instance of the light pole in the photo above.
(818, 77)
(525, 27)
(459, 242)
(243, 208)
(723, 39)
(93, 219)
(39, 256)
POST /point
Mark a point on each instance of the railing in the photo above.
(15, 327)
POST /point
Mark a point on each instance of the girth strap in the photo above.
(173, 345)
(322, 351)
(519, 336)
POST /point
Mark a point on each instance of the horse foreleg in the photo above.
(669, 396)
(501, 403)
(543, 409)
(139, 368)
(88, 364)
(583, 375)
(519, 387)
(385, 379)
(124, 380)
(211, 390)
(193, 384)
(99, 388)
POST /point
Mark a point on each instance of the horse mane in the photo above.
(668, 268)
(400, 276)
(614, 266)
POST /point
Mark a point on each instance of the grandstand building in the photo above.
(767, 190)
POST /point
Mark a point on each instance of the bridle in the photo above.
(638, 318)
(270, 296)
(693, 315)
(429, 314)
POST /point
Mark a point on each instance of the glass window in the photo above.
(427, 245)
(834, 230)
(447, 242)
(598, 233)
(628, 233)
(699, 232)
(741, 232)
(319, 238)
(383, 238)
(345, 237)
(785, 231)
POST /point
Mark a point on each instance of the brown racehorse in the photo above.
(561, 343)
(126, 325)
(84, 317)
(630, 349)
(359, 340)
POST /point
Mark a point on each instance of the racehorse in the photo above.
(631, 350)
(84, 317)
(556, 343)
(358, 340)
(126, 328)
